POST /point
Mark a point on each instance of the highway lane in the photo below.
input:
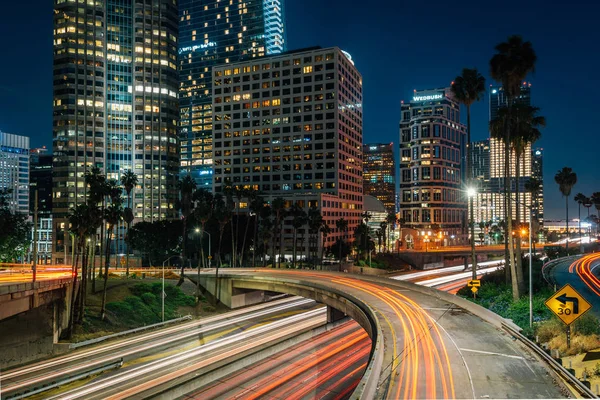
(172, 338)
(327, 366)
(433, 349)
(21, 275)
(583, 274)
(134, 381)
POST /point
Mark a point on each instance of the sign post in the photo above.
(474, 284)
(568, 306)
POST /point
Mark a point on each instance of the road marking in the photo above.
(493, 354)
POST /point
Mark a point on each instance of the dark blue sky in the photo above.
(398, 46)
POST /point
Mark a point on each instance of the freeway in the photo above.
(425, 346)
(15, 275)
(167, 341)
(449, 279)
(328, 366)
(582, 273)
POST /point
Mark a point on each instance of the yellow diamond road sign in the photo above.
(567, 304)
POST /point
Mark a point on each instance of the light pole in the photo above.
(201, 231)
(162, 295)
(472, 192)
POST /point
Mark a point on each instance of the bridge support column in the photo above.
(334, 315)
(466, 262)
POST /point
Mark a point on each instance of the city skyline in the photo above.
(399, 66)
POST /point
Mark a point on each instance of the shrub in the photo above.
(549, 329)
(587, 324)
(149, 298)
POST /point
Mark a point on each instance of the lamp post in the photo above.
(201, 231)
(472, 192)
(163, 287)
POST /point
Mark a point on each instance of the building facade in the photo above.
(115, 104)
(40, 180)
(214, 32)
(14, 170)
(432, 145)
(537, 172)
(289, 126)
(379, 173)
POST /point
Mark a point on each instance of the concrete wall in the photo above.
(31, 335)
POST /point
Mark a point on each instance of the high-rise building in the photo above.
(14, 170)
(40, 180)
(214, 32)
(432, 144)
(498, 98)
(293, 130)
(115, 104)
(537, 172)
(379, 173)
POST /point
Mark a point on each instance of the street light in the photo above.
(472, 192)
(163, 286)
(198, 230)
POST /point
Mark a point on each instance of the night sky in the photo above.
(397, 46)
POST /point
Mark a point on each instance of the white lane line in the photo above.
(461, 356)
(493, 354)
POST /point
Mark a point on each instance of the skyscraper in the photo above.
(432, 143)
(537, 172)
(40, 180)
(379, 173)
(293, 130)
(115, 104)
(14, 170)
(214, 32)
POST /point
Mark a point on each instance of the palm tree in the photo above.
(186, 189)
(525, 127)
(510, 65)
(566, 179)
(256, 205)
(383, 227)
(342, 225)
(95, 180)
(253, 206)
(595, 199)
(580, 198)
(278, 208)
(298, 220)
(366, 217)
(587, 203)
(469, 88)
(325, 231)
(391, 220)
(315, 222)
(113, 214)
(129, 179)
(401, 222)
(534, 186)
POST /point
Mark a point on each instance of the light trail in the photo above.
(138, 344)
(584, 268)
(459, 268)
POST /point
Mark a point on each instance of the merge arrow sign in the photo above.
(564, 299)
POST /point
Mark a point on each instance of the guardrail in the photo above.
(559, 369)
(53, 385)
(136, 330)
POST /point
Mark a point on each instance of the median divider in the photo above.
(136, 330)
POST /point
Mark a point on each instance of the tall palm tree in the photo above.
(595, 199)
(342, 226)
(256, 206)
(299, 219)
(129, 180)
(278, 208)
(510, 65)
(469, 88)
(580, 198)
(252, 196)
(401, 222)
(587, 203)
(187, 186)
(534, 187)
(315, 222)
(383, 227)
(526, 125)
(325, 231)
(113, 214)
(95, 181)
(566, 179)
(366, 217)
(391, 220)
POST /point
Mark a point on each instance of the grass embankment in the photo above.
(135, 303)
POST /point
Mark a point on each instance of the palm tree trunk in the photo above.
(233, 249)
(280, 241)
(323, 250)
(254, 241)
(244, 241)
(294, 251)
(518, 213)
(182, 276)
(127, 255)
(508, 184)
(73, 302)
(106, 265)
(567, 209)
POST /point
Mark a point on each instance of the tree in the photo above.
(187, 186)
(510, 65)
(342, 226)
(325, 231)
(278, 208)
(566, 179)
(15, 230)
(580, 198)
(341, 247)
(96, 184)
(315, 224)
(256, 205)
(383, 228)
(156, 240)
(265, 231)
(299, 219)
(113, 214)
(595, 199)
(129, 179)
(469, 88)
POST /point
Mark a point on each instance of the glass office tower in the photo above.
(379, 173)
(115, 105)
(214, 32)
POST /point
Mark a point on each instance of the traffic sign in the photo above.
(210, 257)
(474, 289)
(567, 304)
(474, 283)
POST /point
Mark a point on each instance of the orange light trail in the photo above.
(583, 267)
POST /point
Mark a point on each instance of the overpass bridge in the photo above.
(32, 317)
(426, 343)
(447, 256)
